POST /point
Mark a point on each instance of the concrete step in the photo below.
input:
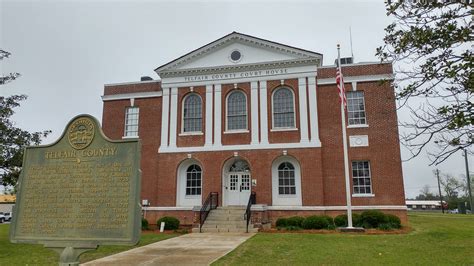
(224, 226)
(216, 222)
(225, 218)
(231, 208)
(225, 230)
(228, 211)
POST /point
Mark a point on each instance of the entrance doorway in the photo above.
(237, 183)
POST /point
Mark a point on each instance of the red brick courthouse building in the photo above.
(243, 114)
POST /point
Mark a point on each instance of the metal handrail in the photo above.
(248, 212)
(211, 203)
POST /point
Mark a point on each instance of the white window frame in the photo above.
(371, 194)
(286, 200)
(127, 133)
(182, 116)
(181, 177)
(243, 130)
(273, 112)
(191, 187)
(365, 110)
(286, 186)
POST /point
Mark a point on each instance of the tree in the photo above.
(13, 140)
(452, 188)
(426, 194)
(430, 42)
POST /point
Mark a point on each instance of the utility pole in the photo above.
(468, 179)
(439, 188)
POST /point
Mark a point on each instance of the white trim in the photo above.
(254, 111)
(182, 115)
(173, 116)
(136, 95)
(273, 112)
(164, 117)
(132, 82)
(263, 113)
(336, 208)
(285, 200)
(313, 110)
(217, 114)
(208, 121)
(130, 137)
(193, 133)
(278, 129)
(354, 85)
(361, 64)
(363, 78)
(227, 110)
(260, 146)
(237, 131)
(303, 110)
(359, 126)
(363, 195)
(170, 208)
(181, 198)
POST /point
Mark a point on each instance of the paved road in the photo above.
(189, 249)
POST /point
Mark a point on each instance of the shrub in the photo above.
(394, 221)
(329, 219)
(171, 223)
(296, 221)
(144, 224)
(385, 226)
(341, 220)
(373, 218)
(292, 228)
(315, 222)
(281, 222)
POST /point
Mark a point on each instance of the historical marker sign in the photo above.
(82, 191)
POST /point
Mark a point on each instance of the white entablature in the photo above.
(239, 57)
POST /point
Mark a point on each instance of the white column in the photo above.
(313, 111)
(173, 116)
(263, 113)
(165, 108)
(217, 115)
(208, 120)
(303, 110)
(254, 110)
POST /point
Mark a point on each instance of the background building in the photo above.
(242, 114)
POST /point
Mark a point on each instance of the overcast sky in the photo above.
(67, 50)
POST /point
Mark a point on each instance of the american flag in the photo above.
(340, 87)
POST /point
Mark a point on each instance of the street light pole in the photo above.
(468, 179)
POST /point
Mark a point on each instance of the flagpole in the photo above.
(344, 143)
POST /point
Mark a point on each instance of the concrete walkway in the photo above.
(189, 249)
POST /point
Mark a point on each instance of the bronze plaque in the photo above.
(82, 190)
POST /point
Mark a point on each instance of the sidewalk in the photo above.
(189, 249)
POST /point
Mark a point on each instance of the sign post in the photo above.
(78, 193)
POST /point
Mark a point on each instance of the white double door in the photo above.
(238, 188)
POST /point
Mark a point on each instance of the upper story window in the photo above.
(356, 108)
(192, 113)
(361, 177)
(131, 122)
(283, 108)
(236, 111)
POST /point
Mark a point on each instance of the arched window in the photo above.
(193, 180)
(283, 108)
(192, 113)
(236, 111)
(286, 179)
(239, 166)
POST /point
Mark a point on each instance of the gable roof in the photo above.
(237, 36)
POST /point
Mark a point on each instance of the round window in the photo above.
(235, 56)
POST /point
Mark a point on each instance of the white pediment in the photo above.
(252, 51)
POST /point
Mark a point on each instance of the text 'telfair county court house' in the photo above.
(244, 115)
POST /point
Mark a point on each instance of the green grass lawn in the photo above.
(27, 254)
(436, 239)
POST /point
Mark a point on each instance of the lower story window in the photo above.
(361, 177)
(286, 179)
(193, 180)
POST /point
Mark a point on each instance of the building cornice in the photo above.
(135, 95)
(363, 78)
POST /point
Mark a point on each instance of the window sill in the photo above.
(358, 126)
(286, 196)
(283, 129)
(130, 137)
(363, 195)
(192, 197)
(236, 131)
(191, 134)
